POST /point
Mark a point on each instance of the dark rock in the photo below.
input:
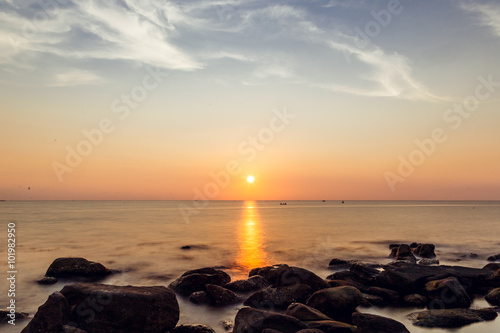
(494, 279)
(415, 300)
(253, 283)
(348, 278)
(494, 266)
(428, 262)
(295, 275)
(192, 329)
(331, 326)
(270, 330)
(414, 245)
(425, 251)
(199, 297)
(71, 329)
(394, 251)
(369, 323)
(77, 268)
(447, 294)
(252, 320)
(337, 262)
(394, 246)
(220, 296)
(389, 296)
(121, 309)
(310, 330)
(450, 318)
(51, 316)
(337, 303)
(270, 273)
(6, 315)
(494, 258)
(47, 280)
(404, 253)
(186, 247)
(280, 297)
(493, 297)
(198, 279)
(227, 324)
(305, 313)
(372, 300)
(473, 255)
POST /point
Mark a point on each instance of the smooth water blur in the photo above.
(144, 239)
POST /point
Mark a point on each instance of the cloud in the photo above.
(489, 14)
(75, 78)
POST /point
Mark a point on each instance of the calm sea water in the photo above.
(144, 239)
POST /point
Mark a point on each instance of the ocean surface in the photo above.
(144, 239)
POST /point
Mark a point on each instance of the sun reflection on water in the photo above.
(251, 253)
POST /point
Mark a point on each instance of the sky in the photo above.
(317, 99)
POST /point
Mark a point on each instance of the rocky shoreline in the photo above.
(278, 298)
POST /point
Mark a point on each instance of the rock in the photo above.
(389, 296)
(447, 294)
(414, 245)
(494, 258)
(186, 247)
(372, 300)
(192, 329)
(295, 275)
(198, 279)
(71, 329)
(51, 316)
(337, 303)
(348, 278)
(494, 279)
(199, 297)
(77, 268)
(270, 273)
(428, 262)
(404, 253)
(6, 315)
(310, 330)
(47, 280)
(394, 246)
(121, 309)
(493, 297)
(253, 320)
(220, 296)
(331, 326)
(280, 297)
(253, 283)
(305, 313)
(473, 255)
(227, 324)
(369, 323)
(425, 251)
(450, 318)
(416, 300)
(270, 330)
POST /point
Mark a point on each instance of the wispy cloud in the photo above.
(489, 14)
(75, 78)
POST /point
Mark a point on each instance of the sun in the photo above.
(250, 179)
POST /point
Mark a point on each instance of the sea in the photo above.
(154, 242)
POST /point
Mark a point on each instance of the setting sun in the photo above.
(250, 179)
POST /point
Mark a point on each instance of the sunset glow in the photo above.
(250, 179)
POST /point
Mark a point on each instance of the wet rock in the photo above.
(198, 279)
(6, 315)
(192, 329)
(414, 245)
(494, 258)
(305, 313)
(220, 296)
(270, 273)
(425, 251)
(71, 329)
(253, 283)
(331, 326)
(121, 309)
(199, 297)
(493, 297)
(47, 280)
(270, 330)
(337, 303)
(450, 318)
(372, 300)
(348, 278)
(369, 323)
(447, 294)
(295, 275)
(253, 320)
(389, 296)
(310, 330)
(428, 262)
(404, 253)
(227, 324)
(415, 300)
(77, 268)
(280, 297)
(51, 316)
(494, 279)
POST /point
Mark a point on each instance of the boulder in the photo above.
(428, 262)
(227, 324)
(372, 300)
(305, 313)
(192, 329)
(47, 280)
(369, 323)
(99, 308)
(348, 278)
(310, 330)
(198, 279)
(404, 253)
(51, 316)
(270, 273)
(279, 297)
(331, 326)
(450, 318)
(494, 258)
(220, 296)
(253, 283)
(389, 296)
(493, 297)
(77, 268)
(494, 279)
(337, 303)
(199, 297)
(270, 330)
(415, 300)
(72, 329)
(295, 275)
(252, 320)
(425, 251)
(447, 294)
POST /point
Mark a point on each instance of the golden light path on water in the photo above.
(251, 252)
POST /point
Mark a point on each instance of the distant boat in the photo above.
(342, 201)
(324, 200)
(282, 203)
